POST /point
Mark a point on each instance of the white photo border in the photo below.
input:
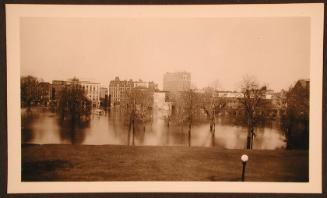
(14, 12)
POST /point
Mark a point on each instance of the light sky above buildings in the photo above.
(274, 50)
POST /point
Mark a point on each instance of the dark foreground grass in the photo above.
(124, 163)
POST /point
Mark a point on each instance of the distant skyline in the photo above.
(274, 50)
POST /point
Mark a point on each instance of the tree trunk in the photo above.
(212, 124)
(289, 139)
(72, 131)
(167, 137)
(133, 132)
(189, 133)
(252, 137)
(129, 130)
(250, 133)
(248, 142)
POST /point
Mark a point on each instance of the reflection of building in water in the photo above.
(92, 90)
(118, 88)
(177, 81)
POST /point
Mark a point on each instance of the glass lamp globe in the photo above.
(244, 158)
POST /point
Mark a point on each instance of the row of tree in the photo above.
(187, 107)
(72, 104)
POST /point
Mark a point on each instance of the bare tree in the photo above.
(253, 101)
(137, 106)
(186, 110)
(212, 105)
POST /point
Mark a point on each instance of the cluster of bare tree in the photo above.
(294, 118)
(188, 106)
(185, 110)
(253, 101)
(137, 107)
(212, 106)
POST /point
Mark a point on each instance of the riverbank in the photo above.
(149, 163)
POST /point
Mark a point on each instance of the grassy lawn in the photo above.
(124, 163)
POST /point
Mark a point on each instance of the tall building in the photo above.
(177, 81)
(117, 88)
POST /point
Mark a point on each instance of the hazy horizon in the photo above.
(274, 50)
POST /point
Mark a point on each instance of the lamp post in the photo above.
(244, 159)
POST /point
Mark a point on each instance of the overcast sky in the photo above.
(275, 50)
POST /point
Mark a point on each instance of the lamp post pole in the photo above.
(244, 159)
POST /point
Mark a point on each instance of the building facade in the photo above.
(118, 88)
(177, 81)
(91, 90)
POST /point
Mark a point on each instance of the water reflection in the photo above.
(44, 127)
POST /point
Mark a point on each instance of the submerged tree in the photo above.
(73, 103)
(295, 120)
(186, 109)
(137, 105)
(212, 105)
(253, 103)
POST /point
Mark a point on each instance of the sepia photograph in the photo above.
(140, 95)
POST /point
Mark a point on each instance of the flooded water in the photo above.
(44, 127)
